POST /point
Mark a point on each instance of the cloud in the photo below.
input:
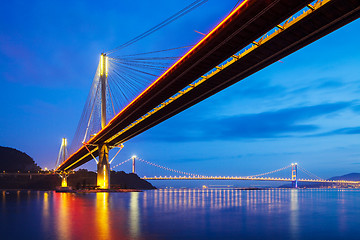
(356, 108)
(318, 84)
(342, 131)
(257, 88)
(329, 83)
(272, 124)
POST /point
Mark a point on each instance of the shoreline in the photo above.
(161, 189)
(77, 191)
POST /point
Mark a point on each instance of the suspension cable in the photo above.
(58, 158)
(309, 173)
(164, 23)
(91, 113)
(121, 163)
(192, 174)
(110, 96)
(157, 51)
(262, 174)
(166, 168)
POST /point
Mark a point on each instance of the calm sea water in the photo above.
(182, 214)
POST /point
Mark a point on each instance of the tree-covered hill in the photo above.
(12, 160)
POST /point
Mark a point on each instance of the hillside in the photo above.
(12, 160)
(349, 177)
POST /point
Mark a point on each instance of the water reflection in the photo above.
(45, 210)
(294, 213)
(88, 216)
(213, 198)
(229, 213)
(3, 201)
(134, 218)
(102, 215)
(62, 213)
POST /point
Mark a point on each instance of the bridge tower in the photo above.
(62, 153)
(61, 158)
(103, 167)
(133, 163)
(294, 175)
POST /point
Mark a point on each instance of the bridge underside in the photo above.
(240, 29)
(300, 34)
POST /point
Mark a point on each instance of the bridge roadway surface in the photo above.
(249, 179)
(205, 178)
(240, 28)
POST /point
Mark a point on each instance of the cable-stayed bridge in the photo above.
(132, 93)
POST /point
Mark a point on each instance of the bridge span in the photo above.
(232, 51)
(294, 175)
(249, 179)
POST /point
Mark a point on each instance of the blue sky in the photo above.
(305, 109)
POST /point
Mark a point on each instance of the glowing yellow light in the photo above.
(104, 184)
(106, 65)
(103, 65)
(134, 156)
(64, 182)
(103, 178)
(64, 142)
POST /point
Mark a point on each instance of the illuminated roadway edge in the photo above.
(250, 179)
(239, 29)
(208, 178)
(200, 59)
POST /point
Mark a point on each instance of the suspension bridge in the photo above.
(267, 176)
(132, 93)
(293, 174)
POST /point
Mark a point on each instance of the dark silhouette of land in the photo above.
(348, 177)
(13, 161)
(87, 179)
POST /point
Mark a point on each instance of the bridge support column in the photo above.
(64, 181)
(133, 164)
(103, 168)
(294, 175)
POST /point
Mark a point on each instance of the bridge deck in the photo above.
(244, 25)
(297, 34)
(251, 179)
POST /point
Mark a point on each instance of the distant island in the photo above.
(14, 161)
